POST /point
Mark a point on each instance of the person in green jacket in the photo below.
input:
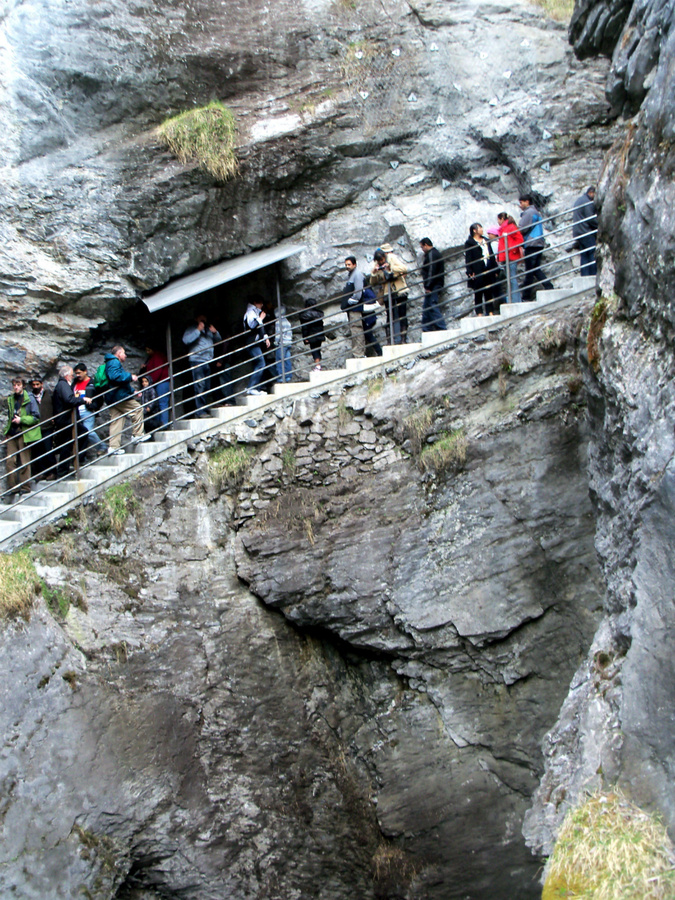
(21, 430)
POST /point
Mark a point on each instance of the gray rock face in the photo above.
(634, 33)
(379, 737)
(616, 725)
(353, 129)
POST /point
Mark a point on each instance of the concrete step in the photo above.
(7, 529)
(429, 338)
(362, 363)
(514, 309)
(555, 294)
(253, 400)
(22, 514)
(584, 283)
(395, 351)
(287, 388)
(325, 375)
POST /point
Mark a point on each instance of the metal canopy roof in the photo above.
(222, 272)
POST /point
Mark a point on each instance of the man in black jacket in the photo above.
(433, 276)
(65, 403)
(584, 230)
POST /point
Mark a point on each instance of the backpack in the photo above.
(101, 380)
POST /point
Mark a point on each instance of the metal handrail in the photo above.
(332, 319)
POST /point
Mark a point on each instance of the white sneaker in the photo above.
(317, 369)
(255, 393)
(119, 452)
(143, 437)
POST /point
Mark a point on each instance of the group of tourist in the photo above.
(47, 431)
(43, 427)
(493, 277)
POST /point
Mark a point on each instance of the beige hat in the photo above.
(386, 248)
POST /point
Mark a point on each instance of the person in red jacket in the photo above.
(157, 367)
(511, 238)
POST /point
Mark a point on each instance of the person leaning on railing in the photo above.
(21, 430)
(64, 402)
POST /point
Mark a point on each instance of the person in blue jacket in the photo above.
(122, 400)
(532, 230)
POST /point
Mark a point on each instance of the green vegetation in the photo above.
(57, 600)
(117, 504)
(417, 426)
(598, 319)
(552, 339)
(560, 10)
(288, 460)
(609, 849)
(229, 465)
(19, 584)
(447, 454)
(206, 136)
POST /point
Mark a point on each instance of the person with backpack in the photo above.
(389, 272)
(254, 328)
(532, 230)
(433, 278)
(122, 401)
(83, 386)
(311, 324)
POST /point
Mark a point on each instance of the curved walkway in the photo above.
(55, 499)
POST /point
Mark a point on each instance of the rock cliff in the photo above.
(372, 727)
(616, 725)
(354, 126)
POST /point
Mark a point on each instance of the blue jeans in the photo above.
(432, 317)
(93, 440)
(515, 290)
(258, 365)
(162, 388)
(200, 385)
(287, 372)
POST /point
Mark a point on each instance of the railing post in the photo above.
(280, 330)
(508, 267)
(390, 308)
(169, 359)
(76, 443)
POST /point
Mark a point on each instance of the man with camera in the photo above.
(200, 338)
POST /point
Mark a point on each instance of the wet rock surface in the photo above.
(371, 728)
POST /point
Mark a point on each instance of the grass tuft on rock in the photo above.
(117, 504)
(609, 849)
(229, 465)
(559, 10)
(206, 136)
(447, 454)
(19, 584)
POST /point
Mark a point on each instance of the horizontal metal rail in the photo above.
(227, 369)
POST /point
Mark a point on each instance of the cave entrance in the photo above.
(220, 293)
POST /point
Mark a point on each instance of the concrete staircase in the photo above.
(54, 499)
